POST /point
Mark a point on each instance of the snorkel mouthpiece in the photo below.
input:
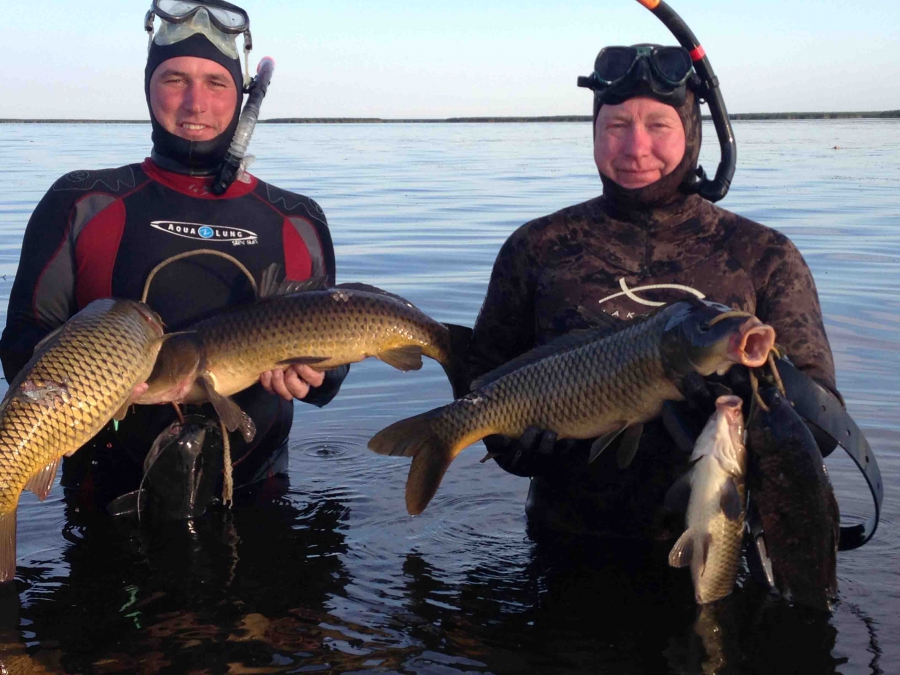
(232, 164)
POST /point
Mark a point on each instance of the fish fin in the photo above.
(366, 288)
(49, 336)
(730, 500)
(628, 446)
(229, 411)
(414, 437)
(683, 550)
(402, 358)
(598, 318)
(600, 444)
(41, 482)
(7, 546)
(564, 343)
(303, 360)
(679, 494)
(268, 287)
(121, 412)
(707, 542)
(489, 456)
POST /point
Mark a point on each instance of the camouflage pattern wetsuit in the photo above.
(622, 254)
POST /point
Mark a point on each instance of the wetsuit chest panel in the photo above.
(117, 251)
(560, 290)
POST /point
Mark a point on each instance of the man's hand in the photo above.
(292, 382)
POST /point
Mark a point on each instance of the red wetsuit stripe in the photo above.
(95, 254)
(297, 261)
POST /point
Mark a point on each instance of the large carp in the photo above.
(711, 544)
(317, 326)
(789, 485)
(79, 378)
(590, 384)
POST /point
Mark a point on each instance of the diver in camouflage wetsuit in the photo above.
(646, 241)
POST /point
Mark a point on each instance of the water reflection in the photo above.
(248, 587)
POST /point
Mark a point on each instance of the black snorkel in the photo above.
(715, 189)
(256, 92)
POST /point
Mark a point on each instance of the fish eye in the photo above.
(703, 327)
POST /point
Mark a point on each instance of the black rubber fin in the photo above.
(460, 337)
(564, 343)
(269, 287)
(41, 482)
(730, 500)
(628, 446)
(599, 445)
(303, 360)
(683, 550)
(229, 412)
(402, 358)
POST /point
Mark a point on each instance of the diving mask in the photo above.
(219, 21)
(622, 72)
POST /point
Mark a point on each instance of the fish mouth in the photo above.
(730, 406)
(753, 343)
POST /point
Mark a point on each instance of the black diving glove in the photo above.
(532, 454)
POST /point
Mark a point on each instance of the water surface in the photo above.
(332, 575)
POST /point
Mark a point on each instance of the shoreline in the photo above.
(886, 114)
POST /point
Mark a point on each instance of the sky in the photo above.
(461, 58)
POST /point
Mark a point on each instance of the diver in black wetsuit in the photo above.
(102, 233)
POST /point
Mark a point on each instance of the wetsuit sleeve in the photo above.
(43, 293)
(788, 301)
(504, 328)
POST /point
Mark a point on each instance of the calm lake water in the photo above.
(334, 576)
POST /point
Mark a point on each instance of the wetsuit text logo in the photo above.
(209, 233)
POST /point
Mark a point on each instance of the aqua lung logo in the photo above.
(235, 236)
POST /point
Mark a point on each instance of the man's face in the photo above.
(192, 98)
(638, 142)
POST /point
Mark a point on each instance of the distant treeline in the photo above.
(812, 115)
(448, 120)
(498, 120)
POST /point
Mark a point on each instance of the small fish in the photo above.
(313, 325)
(789, 485)
(711, 545)
(79, 378)
(585, 385)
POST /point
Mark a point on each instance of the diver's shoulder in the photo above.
(290, 203)
(747, 232)
(114, 181)
(559, 221)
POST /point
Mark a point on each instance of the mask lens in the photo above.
(231, 20)
(227, 18)
(672, 63)
(613, 63)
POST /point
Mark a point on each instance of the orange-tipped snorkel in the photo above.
(715, 189)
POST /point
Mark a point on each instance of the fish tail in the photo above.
(415, 437)
(7, 546)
